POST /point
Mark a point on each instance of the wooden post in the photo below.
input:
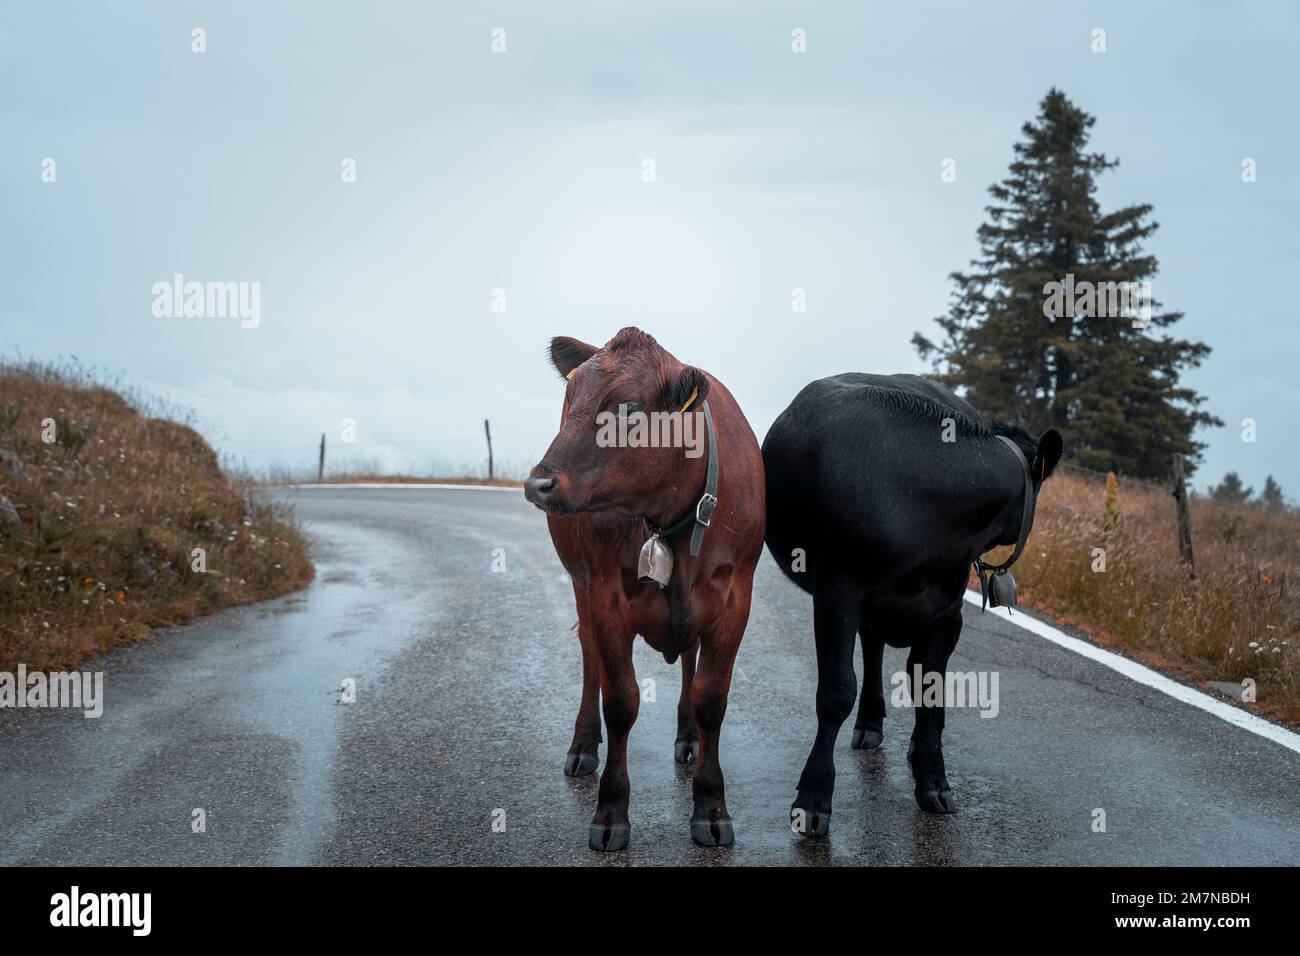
(487, 430)
(1184, 517)
(320, 470)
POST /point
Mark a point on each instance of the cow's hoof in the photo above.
(814, 824)
(866, 739)
(713, 832)
(580, 765)
(684, 751)
(936, 801)
(609, 838)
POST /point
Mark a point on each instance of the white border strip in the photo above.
(1149, 678)
(399, 484)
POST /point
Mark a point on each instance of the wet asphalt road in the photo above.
(466, 689)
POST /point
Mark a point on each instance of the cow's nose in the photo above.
(537, 490)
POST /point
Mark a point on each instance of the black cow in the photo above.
(882, 490)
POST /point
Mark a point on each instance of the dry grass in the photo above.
(1239, 618)
(110, 515)
(368, 470)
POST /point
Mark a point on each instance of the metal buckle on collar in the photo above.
(704, 508)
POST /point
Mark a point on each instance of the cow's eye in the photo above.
(629, 408)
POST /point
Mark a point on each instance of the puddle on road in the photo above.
(346, 628)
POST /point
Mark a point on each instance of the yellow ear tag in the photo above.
(571, 371)
(691, 399)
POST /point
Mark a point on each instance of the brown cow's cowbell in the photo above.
(997, 586)
(656, 561)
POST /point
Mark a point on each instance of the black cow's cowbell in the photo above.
(998, 590)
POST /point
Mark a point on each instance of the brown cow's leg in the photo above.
(710, 823)
(584, 752)
(620, 699)
(687, 745)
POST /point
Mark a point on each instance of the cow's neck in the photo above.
(681, 492)
(1004, 529)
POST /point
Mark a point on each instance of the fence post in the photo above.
(1184, 517)
(320, 469)
(487, 430)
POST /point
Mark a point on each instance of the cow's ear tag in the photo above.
(655, 563)
(1002, 590)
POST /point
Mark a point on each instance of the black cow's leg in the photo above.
(584, 751)
(621, 699)
(925, 753)
(869, 728)
(686, 747)
(836, 609)
(710, 823)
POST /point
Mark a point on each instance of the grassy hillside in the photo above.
(98, 528)
(1239, 618)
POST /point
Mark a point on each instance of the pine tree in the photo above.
(1271, 498)
(1110, 388)
(1230, 490)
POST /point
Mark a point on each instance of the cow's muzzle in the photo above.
(538, 490)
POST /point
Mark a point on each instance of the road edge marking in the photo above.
(1148, 678)
(397, 484)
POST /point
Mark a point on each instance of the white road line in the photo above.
(1149, 678)
(398, 484)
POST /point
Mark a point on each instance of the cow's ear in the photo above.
(567, 354)
(688, 389)
(1050, 447)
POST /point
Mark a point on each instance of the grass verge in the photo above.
(1238, 618)
(114, 522)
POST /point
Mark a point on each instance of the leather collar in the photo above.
(982, 568)
(702, 514)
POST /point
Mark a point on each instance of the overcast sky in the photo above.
(523, 171)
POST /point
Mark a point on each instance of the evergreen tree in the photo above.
(1112, 389)
(1231, 491)
(1271, 498)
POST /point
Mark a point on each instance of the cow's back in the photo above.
(859, 478)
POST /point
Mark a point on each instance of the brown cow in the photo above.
(603, 502)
